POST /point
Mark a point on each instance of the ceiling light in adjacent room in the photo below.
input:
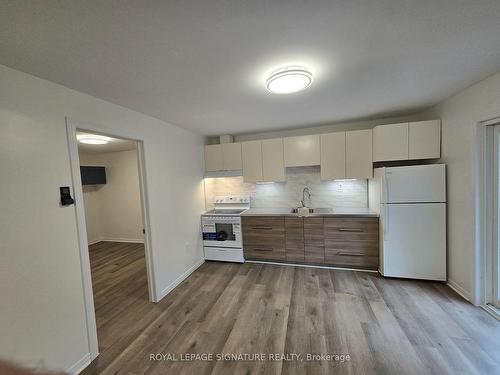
(288, 80)
(91, 139)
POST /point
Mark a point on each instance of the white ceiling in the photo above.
(114, 145)
(202, 64)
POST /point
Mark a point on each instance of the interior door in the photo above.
(414, 243)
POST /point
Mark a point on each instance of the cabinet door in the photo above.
(251, 154)
(294, 239)
(359, 162)
(425, 139)
(314, 244)
(213, 158)
(231, 154)
(333, 155)
(302, 151)
(273, 168)
(390, 142)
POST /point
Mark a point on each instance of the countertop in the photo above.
(330, 212)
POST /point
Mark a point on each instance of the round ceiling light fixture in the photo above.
(91, 139)
(288, 80)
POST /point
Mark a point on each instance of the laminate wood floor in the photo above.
(386, 326)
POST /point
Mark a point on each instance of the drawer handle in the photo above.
(263, 228)
(350, 230)
(262, 249)
(350, 254)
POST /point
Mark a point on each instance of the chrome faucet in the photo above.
(304, 192)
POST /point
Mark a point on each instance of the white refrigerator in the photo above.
(411, 202)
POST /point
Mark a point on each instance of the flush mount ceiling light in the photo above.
(93, 139)
(288, 80)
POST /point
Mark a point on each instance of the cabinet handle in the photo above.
(350, 230)
(350, 254)
(262, 249)
(263, 228)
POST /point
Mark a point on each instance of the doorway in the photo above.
(109, 185)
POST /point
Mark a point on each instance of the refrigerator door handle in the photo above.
(386, 183)
(386, 221)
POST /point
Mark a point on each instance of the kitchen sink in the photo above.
(317, 211)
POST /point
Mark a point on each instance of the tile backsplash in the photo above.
(338, 193)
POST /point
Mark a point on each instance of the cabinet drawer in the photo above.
(352, 253)
(353, 247)
(253, 252)
(339, 229)
(264, 231)
(352, 260)
(277, 222)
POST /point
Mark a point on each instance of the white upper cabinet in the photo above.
(358, 147)
(390, 142)
(408, 141)
(273, 166)
(333, 154)
(425, 139)
(251, 153)
(213, 158)
(302, 151)
(231, 155)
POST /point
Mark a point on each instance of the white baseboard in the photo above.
(80, 365)
(180, 279)
(116, 239)
(457, 288)
(493, 311)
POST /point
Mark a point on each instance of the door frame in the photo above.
(71, 128)
(486, 223)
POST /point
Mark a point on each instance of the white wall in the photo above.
(113, 210)
(338, 193)
(460, 115)
(42, 316)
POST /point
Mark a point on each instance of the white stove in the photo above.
(221, 229)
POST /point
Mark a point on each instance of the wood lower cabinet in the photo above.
(264, 237)
(352, 242)
(335, 241)
(294, 239)
(314, 240)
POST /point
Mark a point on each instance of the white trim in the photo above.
(152, 270)
(80, 365)
(181, 278)
(483, 231)
(492, 310)
(461, 291)
(82, 241)
(71, 127)
(311, 266)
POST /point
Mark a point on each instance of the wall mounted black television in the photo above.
(93, 175)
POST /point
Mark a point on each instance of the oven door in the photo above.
(221, 231)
